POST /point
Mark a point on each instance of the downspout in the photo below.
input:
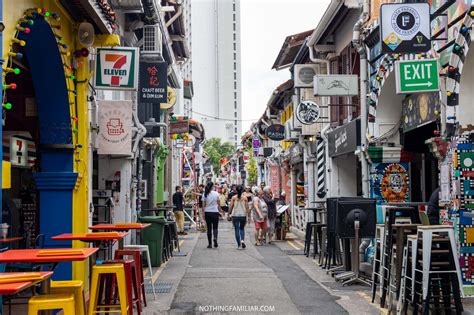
(356, 40)
(175, 17)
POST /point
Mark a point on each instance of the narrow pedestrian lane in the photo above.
(228, 280)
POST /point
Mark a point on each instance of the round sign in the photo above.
(307, 112)
(405, 21)
(275, 132)
(171, 99)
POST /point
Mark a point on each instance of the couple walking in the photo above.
(238, 213)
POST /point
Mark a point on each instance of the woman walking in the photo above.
(272, 212)
(259, 215)
(223, 199)
(212, 208)
(239, 212)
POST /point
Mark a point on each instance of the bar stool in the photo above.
(307, 238)
(133, 284)
(437, 266)
(145, 249)
(98, 274)
(51, 302)
(137, 257)
(76, 287)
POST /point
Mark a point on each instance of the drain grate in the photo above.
(294, 252)
(160, 287)
(180, 254)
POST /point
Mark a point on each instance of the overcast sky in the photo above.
(264, 26)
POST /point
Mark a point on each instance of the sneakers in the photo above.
(242, 243)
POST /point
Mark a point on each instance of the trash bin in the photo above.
(153, 237)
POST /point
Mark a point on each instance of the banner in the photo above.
(115, 128)
(153, 82)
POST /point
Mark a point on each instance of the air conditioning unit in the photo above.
(304, 73)
(290, 133)
(152, 46)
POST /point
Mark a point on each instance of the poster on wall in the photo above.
(390, 182)
(420, 109)
(275, 179)
(115, 128)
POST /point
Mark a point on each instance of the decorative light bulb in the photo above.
(72, 77)
(7, 106)
(436, 112)
(16, 71)
(17, 55)
(449, 93)
(75, 130)
(396, 56)
(444, 139)
(436, 132)
(457, 47)
(451, 69)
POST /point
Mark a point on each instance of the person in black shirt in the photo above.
(178, 210)
(433, 207)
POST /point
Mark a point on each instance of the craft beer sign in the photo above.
(116, 69)
(405, 27)
(416, 76)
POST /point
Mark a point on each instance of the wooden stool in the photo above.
(51, 302)
(137, 257)
(76, 287)
(98, 272)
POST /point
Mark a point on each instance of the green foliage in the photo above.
(217, 150)
(252, 168)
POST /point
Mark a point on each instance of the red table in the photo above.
(16, 287)
(97, 239)
(46, 256)
(120, 226)
(10, 239)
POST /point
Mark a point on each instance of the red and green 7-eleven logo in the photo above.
(116, 69)
(119, 61)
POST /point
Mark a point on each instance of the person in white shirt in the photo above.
(212, 209)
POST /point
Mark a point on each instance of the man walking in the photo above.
(178, 210)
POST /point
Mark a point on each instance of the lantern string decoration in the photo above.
(24, 25)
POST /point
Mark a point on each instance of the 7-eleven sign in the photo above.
(117, 69)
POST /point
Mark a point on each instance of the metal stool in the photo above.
(98, 272)
(51, 302)
(145, 249)
(76, 287)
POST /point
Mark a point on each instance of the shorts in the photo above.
(271, 225)
(261, 225)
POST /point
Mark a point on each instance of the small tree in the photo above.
(216, 151)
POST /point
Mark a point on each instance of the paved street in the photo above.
(256, 279)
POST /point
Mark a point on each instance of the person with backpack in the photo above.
(212, 209)
(239, 213)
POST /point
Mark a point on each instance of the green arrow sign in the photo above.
(416, 76)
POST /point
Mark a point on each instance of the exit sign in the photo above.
(417, 76)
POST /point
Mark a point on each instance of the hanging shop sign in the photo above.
(405, 27)
(116, 69)
(153, 82)
(256, 144)
(22, 151)
(115, 128)
(179, 126)
(275, 132)
(336, 85)
(420, 109)
(307, 112)
(415, 76)
(344, 139)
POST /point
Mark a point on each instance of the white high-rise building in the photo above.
(216, 68)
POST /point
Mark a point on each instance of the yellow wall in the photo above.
(13, 10)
